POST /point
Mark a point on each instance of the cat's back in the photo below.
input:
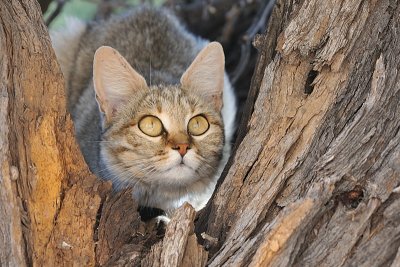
(151, 39)
(151, 36)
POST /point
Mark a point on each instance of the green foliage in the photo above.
(76, 8)
(85, 10)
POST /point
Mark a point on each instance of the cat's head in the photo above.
(168, 135)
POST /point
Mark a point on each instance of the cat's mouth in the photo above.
(180, 166)
(180, 172)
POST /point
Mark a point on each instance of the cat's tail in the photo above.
(66, 44)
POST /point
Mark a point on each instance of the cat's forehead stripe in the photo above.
(171, 106)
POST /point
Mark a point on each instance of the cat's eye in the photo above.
(198, 125)
(151, 126)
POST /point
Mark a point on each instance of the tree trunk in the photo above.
(48, 199)
(314, 180)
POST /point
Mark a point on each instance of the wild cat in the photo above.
(151, 103)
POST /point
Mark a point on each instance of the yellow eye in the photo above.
(151, 126)
(198, 125)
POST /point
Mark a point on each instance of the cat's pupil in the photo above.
(150, 125)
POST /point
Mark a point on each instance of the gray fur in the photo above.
(150, 40)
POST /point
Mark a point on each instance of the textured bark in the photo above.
(316, 173)
(48, 203)
(179, 246)
(314, 181)
(123, 239)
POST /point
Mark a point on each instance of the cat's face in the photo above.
(168, 137)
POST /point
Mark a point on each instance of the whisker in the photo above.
(111, 166)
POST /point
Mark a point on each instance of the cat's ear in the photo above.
(115, 81)
(205, 76)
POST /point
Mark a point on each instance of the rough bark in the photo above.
(314, 181)
(179, 246)
(316, 173)
(49, 202)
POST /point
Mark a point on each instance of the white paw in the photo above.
(162, 219)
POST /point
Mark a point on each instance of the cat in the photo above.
(151, 103)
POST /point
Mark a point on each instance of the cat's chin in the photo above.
(180, 173)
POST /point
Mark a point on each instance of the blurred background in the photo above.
(233, 23)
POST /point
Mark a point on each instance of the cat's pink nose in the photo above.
(182, 148)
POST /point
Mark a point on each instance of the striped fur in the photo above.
(156, 45)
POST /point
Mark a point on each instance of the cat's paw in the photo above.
(162, 219)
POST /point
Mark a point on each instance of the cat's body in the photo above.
(156, 46)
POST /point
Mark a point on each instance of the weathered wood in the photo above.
(123, 239)
(23, 85)
(11, 244)
(44, 181)
(326, 113)
(195, 255)
(179, 246)
(380, 242)
(314, 181)
(72, 238)
(396, 262)
(110, 239)
(12, 252)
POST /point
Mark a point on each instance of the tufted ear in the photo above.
(205, 76)
(115, 81)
